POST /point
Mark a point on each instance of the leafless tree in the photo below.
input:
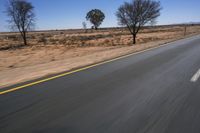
(22, 17)
(138, 13)
(85, 26)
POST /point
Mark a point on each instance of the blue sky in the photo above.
(65, 14)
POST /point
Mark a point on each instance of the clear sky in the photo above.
(65, 14)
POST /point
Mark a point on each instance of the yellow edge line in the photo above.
(78, 70)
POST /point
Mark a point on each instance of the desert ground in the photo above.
(51, 52)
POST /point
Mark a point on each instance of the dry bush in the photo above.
(62, 41)
(42, 40)
(106, 42)
(118, 40)
(61, 33)
(13, 37)
(52, 41)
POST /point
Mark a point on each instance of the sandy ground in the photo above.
(26, 64)
(29, 63)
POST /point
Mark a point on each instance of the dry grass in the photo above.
(112, 37)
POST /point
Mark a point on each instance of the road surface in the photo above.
(157, 91)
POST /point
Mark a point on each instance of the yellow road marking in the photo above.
(78, 70)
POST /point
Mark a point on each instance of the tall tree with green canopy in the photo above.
(96, 17)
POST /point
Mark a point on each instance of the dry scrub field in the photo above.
(57, 51)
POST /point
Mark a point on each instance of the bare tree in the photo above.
(137, 13)
(85, 26)
(21, 16)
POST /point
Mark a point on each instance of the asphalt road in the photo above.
(151, 92)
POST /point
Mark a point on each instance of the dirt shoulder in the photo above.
(28, 68)
(30, 63)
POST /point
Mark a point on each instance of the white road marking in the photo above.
(196, 76)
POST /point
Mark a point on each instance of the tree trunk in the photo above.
(134, 38)
(24, 38)
(185, 30)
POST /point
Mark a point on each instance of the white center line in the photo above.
(196, 76)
